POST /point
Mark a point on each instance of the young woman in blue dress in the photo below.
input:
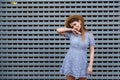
(75, 24)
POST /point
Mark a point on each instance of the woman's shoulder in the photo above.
(88, 34)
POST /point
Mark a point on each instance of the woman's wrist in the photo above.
(90, 65)
(72, 29)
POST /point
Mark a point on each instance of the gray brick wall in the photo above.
(30, 48)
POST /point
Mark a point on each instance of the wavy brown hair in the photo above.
(73, 18)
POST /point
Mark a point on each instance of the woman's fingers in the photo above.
(75, 32)
(78, 32)
(89, 70)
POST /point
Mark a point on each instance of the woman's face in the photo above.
(76, 25)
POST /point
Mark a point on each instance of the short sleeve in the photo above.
(91, 40)
(67, 34)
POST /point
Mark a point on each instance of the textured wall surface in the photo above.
(30, 48)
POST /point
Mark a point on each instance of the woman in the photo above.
(75, 64)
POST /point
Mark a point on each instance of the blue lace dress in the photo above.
(75, 61)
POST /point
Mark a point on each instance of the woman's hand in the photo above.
(89, 69)
(75, 32)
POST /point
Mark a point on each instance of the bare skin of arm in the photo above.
(62, 30)
(90, 67)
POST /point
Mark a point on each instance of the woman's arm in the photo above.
(90, 66)
(62, 30)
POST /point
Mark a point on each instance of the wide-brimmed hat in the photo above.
(77, 16)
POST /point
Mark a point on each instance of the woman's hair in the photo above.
(73, 18)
